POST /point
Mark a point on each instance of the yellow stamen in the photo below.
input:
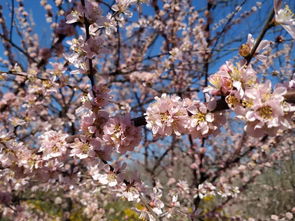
(232, 101)
(265, 112)
(200, 117)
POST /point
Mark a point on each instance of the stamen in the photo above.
(265, 112)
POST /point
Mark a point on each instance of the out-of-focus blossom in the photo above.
(156, 202)
(285, 17)
(206, 189)
(53, 144)
(121, 6)
(94, 47)
(130, 193)
(144, 213)
(7, 98)
(109, 179)
(120, 133)
(82, 149)
(64, 29)
(146, 78)
(109, 24)
(91, 11)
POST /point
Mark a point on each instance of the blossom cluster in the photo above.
(84, 48)
(207, 190)
(172, 115)
(262, 107)
(105, 133)
(42, 148)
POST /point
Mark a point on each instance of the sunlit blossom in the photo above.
(285, 17)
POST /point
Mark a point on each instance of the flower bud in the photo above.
(245, 50)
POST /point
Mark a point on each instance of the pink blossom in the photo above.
(166, 116)
(121, 6)
(120, 133)
(266, 114)
(81, 149)
(130, 193)
(230, 78)
(261, 51)
(58, 69)
(94, 47)
(108, 23)
(53, 144)
(221, 82)
(202, 121)
(285, 17)
(92, 12)
(98, 97)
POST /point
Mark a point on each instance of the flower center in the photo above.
(232, 101)
(55, 149)
(200, 117)
(265, 112)
(164, 117)
(247, 103)
(84, 148)
(245, 50)
(287, 13)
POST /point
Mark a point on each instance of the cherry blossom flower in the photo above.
(221, 82)
(77, 57)
(156, 202)
(93, 47)
(97, 98)
(29, 160)
(230, 78)
(285, 17)
(166, 116)
(202, 121)
(58, 69)
(266, 115)
(91, 11)
(7, 98)
(82, 149)
(146, 78)
(121, 6)
(144, 213)
(206, 189)
(8, 154)
(132, 193)
(261, 52)
(120, 133)
(53, 144)
(109, 24)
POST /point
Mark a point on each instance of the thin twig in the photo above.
(268, 24)
(11, 20)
